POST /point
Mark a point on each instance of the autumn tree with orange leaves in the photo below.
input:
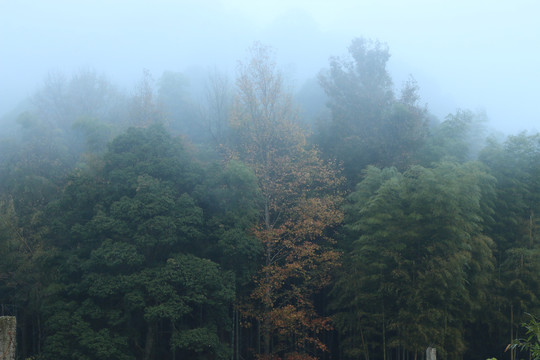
(299, 210)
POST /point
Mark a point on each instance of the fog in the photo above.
(478, 55)
(288, 179)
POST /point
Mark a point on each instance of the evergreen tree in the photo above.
(369, 125)
(416, 252)
(515, 229)
(129, 251)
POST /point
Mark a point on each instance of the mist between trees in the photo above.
(342, 221)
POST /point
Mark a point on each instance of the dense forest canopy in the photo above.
(341, 222)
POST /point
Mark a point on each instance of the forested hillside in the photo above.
(251, 224)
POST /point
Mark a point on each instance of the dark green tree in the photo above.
(129, 242)
(32, 169)
(417, 254)
(516, 231)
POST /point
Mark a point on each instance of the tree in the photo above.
(178, 108)
(62, 101)
(127, 246)
(298, 209)
(369, 126)
(32, 171)
(216, 109)
(413, 274)
(231, 203)
(515, 230)
(21, 277)
(532, 342)
(459, 137)
(144, 110)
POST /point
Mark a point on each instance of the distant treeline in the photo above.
(342, 222)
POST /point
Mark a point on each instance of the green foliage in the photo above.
(531, 343)
(129, 258)
(416, 258)
(96, 134)
(138, 247)
(369, 125)
(458, 138)
(200, 342)
(232, 200)
(73, 337)
(514, 228)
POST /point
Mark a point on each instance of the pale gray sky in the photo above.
(464, 54)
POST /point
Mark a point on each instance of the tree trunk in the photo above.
(511, 331)
(233, 331)
(266, 215)
(531, 216)
(237, 335)
(258, 336)
(364, 345)
(150, 338)
(266, 335)
(384, 334)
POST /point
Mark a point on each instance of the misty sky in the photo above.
(478, 55)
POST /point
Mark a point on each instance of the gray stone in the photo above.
(431, 353)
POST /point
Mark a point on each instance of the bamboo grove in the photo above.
(243, 226)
